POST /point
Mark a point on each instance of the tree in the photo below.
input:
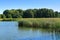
(6, 12)
(31, 13)
(12, 13)
(56, 14)
(2, 16)
(44, 13)
(28, 14)
(20, 11)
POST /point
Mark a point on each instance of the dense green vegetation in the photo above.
(40, 23)
(30, 13)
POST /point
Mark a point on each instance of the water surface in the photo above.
(11, 31)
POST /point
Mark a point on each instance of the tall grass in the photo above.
(40, 22)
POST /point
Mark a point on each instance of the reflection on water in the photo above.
(40, 34)
(11, 31)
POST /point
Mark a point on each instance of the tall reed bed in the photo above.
(40, 22)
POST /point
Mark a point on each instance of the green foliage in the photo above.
(12, 13)
(28, 14)
(2, 16)
(31, 13)
(20, 12)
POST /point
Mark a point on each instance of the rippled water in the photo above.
(11, 31)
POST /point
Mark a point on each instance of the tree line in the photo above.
(30, 13)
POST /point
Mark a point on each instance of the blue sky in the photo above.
(27, 4)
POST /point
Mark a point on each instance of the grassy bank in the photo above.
(40, 22)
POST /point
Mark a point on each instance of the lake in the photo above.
(11, 31)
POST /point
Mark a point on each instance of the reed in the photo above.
(36, 22)
(40, 22)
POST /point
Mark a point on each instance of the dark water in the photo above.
(11, 31)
